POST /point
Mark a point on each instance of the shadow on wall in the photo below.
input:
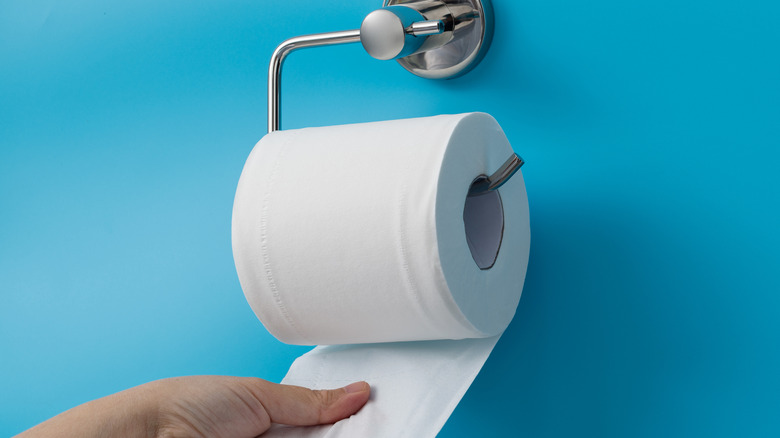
(602, 343)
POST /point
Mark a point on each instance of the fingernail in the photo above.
(356, 387)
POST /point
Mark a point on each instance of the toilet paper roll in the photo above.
(362, 234)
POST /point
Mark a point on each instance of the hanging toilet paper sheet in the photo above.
(359, 238)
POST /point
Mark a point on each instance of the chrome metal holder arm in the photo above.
(277, 61)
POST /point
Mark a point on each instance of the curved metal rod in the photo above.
(287, 47)
(498, 178)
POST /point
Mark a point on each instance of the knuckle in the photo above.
(324, 398)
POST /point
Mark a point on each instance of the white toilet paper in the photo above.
(355, 234)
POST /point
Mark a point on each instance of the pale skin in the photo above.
(203, 406)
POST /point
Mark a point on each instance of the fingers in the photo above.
(298, 406)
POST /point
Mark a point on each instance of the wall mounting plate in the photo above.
(472, 28)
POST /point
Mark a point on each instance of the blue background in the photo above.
(651, 132)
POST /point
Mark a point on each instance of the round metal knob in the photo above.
(383, 34)
(396, 31)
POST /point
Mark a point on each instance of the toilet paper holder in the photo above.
(435, 39)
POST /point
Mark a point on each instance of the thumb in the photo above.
(298, 406)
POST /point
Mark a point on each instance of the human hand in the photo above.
(204, 406)
(220, 406)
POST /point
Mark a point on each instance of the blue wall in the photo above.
(651, 132)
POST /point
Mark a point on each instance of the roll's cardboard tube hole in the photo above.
(483, 219)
